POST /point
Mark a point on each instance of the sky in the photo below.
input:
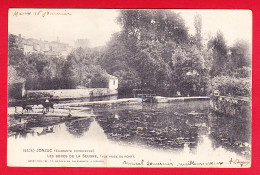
(234, 24)
(97, 25)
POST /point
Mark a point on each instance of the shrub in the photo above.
(231, 86)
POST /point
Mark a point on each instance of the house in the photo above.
(54, 48)
(16, 84)
(112, 82)
(28, 49)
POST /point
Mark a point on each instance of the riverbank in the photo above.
(126, 101)
(72, 109)
(160, 99)
(231, 105)
(79, 108)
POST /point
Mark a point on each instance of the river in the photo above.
(164, 133)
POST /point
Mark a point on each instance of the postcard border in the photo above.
(191, 4)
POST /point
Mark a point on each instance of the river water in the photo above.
(176, 134)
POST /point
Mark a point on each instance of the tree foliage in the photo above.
(15, 55)
(220, 54)
(156, 46)
(231, 86)
(153, 50)
(240, 54)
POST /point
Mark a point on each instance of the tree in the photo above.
(150, 37)
(84, 68)
(198, 27)
(161, 25)
(145, 53)
(240, 54)
(99, 80)
(12, 44)
(190, 74)
(67, 81)
(220, 54)
(15, 55)
(128, 80)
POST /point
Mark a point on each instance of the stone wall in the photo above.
(231, 106)
(71, 93)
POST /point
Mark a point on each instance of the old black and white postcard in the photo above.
(129, 88)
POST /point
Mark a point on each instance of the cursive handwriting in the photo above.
(133, 163)
(231, 162)
(240, 162)
(42, 13)
(150, 163)
(193, 163)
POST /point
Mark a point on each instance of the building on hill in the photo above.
(54, 48)
(83, 43)
(27, 49)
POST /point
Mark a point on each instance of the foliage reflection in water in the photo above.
(172, 127)
(176, 126)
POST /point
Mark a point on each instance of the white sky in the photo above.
(97, 25)
(234, 24)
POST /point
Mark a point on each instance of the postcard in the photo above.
(129, 88)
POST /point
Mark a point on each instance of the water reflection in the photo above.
(189, 127)
(153, 126)
(231, 132)
(176, 126)
(45, 131)
(20, 126)
(78, 127)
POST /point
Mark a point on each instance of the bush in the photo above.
(243, 72)
(99, 80)
(231, 86)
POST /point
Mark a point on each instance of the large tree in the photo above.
(220, 54)
(149, 38)
(145, 53)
